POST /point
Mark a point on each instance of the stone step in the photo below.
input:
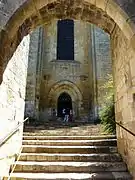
(63, 133)
(103, 142)
(70, 157)
(68, 149)
(69, 167)
(65, 127)
(73, 176)
(31, 136)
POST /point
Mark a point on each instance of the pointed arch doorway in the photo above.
(64, 102)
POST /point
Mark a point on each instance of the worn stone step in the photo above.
(70, 157)
(31, 136)
(73, 176)
(103, 142)
(69, 167)
(68, 149)
(60, 128)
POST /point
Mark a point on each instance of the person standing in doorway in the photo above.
(67, 115)
(63, 114)
(70, 115)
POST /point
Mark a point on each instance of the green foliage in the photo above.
(107, 111)
(107, 116)
(107, 90)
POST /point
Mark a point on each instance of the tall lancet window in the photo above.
(65, 39)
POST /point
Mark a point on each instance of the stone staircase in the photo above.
(69, 157)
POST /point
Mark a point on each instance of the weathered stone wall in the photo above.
(102, 64)
(91, 45)
(76, 71)
(30, 100)
(83, 55)
(124, 77)
(81, 41)
(50, 38)
(12, 93)
(49, 55)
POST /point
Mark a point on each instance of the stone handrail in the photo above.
(11, 133)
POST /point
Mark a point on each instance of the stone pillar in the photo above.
(82, 44)
(94, 76)
(39, 70)
(50, 50)
(34, 72)
(102, 65)
(49, 55)
(81, 41)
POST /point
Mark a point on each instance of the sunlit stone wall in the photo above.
(12, 102)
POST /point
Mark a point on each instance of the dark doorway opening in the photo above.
(64, 102)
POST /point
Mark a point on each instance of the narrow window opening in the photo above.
(65, 39)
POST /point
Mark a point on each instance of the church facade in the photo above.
(69, 61)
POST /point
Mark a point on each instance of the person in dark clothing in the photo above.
(70, 116)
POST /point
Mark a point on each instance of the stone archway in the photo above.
(115, 17)
(26, 15)
(69, 88)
